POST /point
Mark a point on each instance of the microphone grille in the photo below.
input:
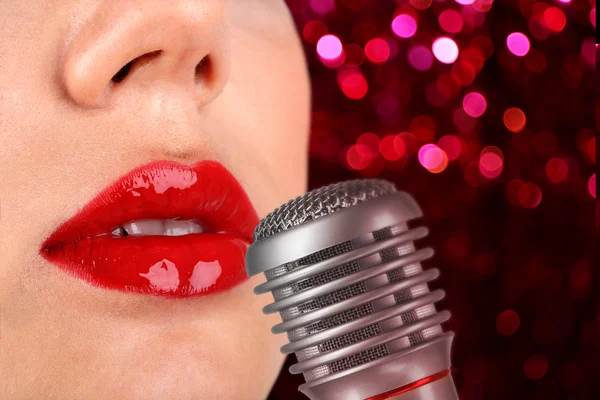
(320, 202)
(347, 280)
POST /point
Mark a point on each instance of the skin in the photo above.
(67, 132)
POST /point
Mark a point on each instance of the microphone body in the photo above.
(346, 277)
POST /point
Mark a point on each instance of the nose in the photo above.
(133, 44)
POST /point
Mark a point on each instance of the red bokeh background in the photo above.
(492, 130)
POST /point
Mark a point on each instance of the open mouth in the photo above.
(164, 229)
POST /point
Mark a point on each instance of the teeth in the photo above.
(153, 227)
(144, 228)
(178, 228)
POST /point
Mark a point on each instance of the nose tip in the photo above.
(132, 45)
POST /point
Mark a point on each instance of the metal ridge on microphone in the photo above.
(342, 266)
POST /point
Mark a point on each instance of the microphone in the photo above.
(346, 277)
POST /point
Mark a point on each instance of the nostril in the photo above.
(122, 73)
(203, 73)
(135, 63)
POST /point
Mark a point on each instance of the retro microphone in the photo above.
(347, 281)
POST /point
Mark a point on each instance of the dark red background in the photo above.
(521, 278)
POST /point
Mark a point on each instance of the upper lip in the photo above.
(218, 208)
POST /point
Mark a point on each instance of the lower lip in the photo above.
(178, 266)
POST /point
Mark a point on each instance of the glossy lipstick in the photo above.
(88, 246)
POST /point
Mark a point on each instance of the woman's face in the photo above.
(72, 122)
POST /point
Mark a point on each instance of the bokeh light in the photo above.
(555, 19)
(530, 195)
(433, 158)
(535, 367)
(452, 145)
(474, 104)
(451, 21)
(354, 85)
(313, 31)
(507, 322)
(592, 185)
(404, 26)
(329, 47)
(377, 50)
(322, 6)
(514, 119)
(445, 50)
(420, 58)
(490, 164)
(557, 170)
(518, 43)
(391, 148)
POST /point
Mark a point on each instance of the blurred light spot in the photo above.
(408, 142)
(404, 26)
(535, 61)
(420, 58)
(474, 56)
(512, 191)
(555, 19)
(580, 278)
(354, 5)
(354, 85)
(420, 4)
(354, 54)
(370, 140)
(507, 322)
(538, 28)
(423, 127)
(535, 367)
(313, 31)
(472, 175)
(463, 121)
(556, 170)
(514, 119)
(445, 50)
(377, 50)
(448, 84)
(593, 16)
(530, 195)
(451, 21)
(451, 145)
(592, 185)
(573, 169)
(588, 52)
(433, 158)
(518, 43)
(329, 47)
(390, 148)
(474, 104)
(436, 94)
(483, 43)
(490, 165)
(322, 6)
(465, 2)
(385, 104)
(358, 156)
(464, 72)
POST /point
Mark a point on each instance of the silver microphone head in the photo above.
(347, 281)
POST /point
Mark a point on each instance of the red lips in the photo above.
(187, 265)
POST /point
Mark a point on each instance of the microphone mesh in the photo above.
(321, 202)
